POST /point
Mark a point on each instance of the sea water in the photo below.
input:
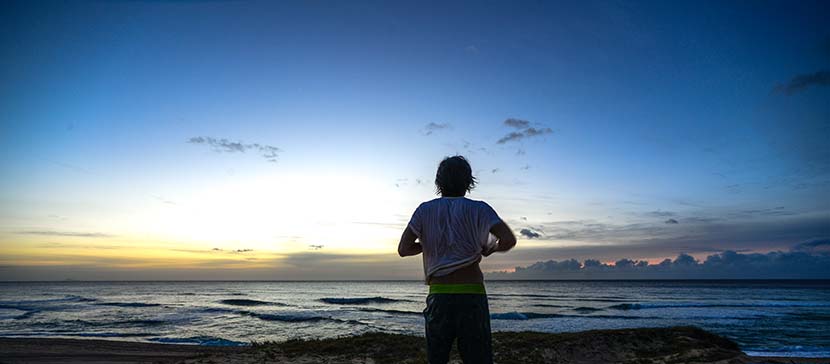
(781, 318)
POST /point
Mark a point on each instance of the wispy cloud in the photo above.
(530, 234)
(659, 213)
(163, 200)
(69, 166)
(671, 221)
(517, 123)
(66, 234)
(802, 82)
(268, 152)
(526, 131)
(431, 128)
(813, 245)
(511, 137)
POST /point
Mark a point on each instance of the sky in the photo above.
(293, 140)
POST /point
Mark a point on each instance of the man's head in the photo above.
(454, 177)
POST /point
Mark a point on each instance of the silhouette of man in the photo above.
(453, 233)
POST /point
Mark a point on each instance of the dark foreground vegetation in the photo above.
(630, 346)
(641, 346)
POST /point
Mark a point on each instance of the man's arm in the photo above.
(408, 246)
(506, 238)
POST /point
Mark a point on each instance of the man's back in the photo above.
(453, 231)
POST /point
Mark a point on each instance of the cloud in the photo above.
(813, 245)
(652, 239)
(671, 221)
(530, 132)
(802, 82)
(163, 200)
(268, 152)
(308, 265)
(526, 131)
(433, 127)
(774, 211)
(510, 137)
(494, 170)
(66, 234)
(69, 166)
(530, 234)
(471, 49)
(660, 213)
(517, 123)
(725, 265)
(389, 225)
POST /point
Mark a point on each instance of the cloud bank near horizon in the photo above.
(807, 260)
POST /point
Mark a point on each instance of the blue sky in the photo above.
(713, 115)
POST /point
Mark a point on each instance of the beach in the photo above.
(646, 345)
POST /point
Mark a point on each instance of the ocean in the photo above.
(773, 318)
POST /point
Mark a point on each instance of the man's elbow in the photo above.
(508, 243)
(403, 251)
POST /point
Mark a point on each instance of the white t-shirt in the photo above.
(453, 232)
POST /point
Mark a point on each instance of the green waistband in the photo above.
(474, 288)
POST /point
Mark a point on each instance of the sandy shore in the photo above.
(26, 350)
(663, 345)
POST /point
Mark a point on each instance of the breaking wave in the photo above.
(283, 317)
(247, 302)
(393, 312)
(358, 300)
(128, 304)
(199, 340)
(644, 306)
(536, 315)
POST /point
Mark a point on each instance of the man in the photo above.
(454, 233)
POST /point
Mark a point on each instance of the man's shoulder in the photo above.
(463, 200)
(478, 203)
(427, 204)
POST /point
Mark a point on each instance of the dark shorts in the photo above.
(465, 317)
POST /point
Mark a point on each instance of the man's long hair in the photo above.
(454, 177)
